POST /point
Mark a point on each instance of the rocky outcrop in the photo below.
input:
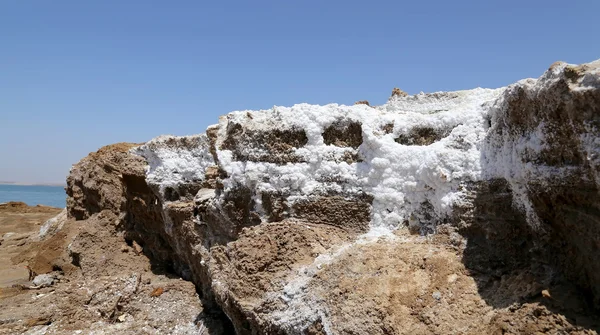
(428, 214)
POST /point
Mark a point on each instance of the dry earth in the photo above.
(114, 288)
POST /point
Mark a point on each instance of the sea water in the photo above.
(54, 196)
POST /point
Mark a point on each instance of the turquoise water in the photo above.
(34, 195)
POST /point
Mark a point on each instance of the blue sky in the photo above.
(76, 75)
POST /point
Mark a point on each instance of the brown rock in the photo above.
(344, 134)
(422, 136)
(259, 262)
(350, 214)
(274, 146)
(396, 92)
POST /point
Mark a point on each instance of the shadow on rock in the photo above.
(515, 265)
(542, 138)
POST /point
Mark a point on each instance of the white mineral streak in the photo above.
(303, 305)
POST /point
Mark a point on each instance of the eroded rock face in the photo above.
(431, 213)
(556, 174)
(273, 146)
(95, 183)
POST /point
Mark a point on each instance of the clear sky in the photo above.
(76, 75)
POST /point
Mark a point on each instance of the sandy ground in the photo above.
(18, 223)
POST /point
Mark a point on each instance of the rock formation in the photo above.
(457, 212)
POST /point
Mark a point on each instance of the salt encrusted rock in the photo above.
(293, 219)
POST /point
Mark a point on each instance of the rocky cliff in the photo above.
(455, 212)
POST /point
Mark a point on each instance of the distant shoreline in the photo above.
(32, 184)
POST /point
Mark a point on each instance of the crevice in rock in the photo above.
(275, 205)
(239, 207)
(144, 229)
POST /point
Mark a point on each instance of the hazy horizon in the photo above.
(33, 183)
(81, 75)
